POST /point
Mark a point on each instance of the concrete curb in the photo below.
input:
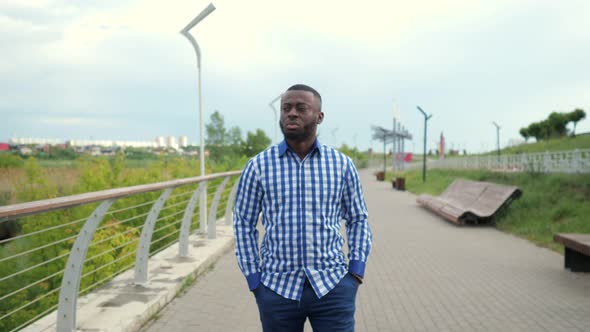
(119, 305)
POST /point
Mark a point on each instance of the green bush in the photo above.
(116, 238)
(10, 160)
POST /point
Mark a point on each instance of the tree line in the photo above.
(554, 126)
(227, 145)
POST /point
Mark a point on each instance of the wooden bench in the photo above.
(577, 251)
(470, 202)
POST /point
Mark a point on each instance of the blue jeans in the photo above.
(333, 312)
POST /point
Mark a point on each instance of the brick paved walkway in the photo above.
(424, 274)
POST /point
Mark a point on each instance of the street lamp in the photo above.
(426, 117)
(191, 39)
(497, 137)
(271, 104)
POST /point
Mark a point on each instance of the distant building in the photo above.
(19, 141)
(171, 142)
(4, 147)
(95, 151)
(34, 141)
(24, 151)
(160, 142)
(182, 141)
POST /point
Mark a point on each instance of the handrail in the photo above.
(568, 161)
(117, 241)
(29, 208)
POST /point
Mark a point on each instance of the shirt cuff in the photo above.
(357, 268)
(253, 280)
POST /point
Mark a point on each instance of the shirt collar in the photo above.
(283, 147)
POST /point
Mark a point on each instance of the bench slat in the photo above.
(476, 200)
(577, 242)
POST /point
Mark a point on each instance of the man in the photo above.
(303, 190)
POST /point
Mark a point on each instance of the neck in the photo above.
(302, 148)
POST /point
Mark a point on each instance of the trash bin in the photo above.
(380, 176)
(400, 183)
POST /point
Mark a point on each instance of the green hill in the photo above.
(557, 144)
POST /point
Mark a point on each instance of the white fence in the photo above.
(573, 161)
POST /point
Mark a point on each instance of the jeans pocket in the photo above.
(257, 290)
(353, 279)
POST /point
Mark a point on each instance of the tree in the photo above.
(556, 125)
(235, 140)
(216, 132)
(256, 142)
(524, 132)
(216, 136)
(577, 115)
(534, 130)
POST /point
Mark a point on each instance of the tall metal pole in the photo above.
(185, 32)
(497, 138)
(384, 155)
(394, 149)
(426, 117)
(271, 104)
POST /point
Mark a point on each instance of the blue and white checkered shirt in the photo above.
(302, 203)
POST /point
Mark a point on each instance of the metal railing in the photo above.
(572, 161)
(68, 246)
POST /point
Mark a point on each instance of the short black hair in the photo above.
(303, 87)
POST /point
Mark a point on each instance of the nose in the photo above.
(292, 112)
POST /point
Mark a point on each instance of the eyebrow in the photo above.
(296, 104)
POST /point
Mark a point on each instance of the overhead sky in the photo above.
(119, 69)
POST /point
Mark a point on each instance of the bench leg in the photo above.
(576, 261)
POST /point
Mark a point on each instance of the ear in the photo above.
(320, 117)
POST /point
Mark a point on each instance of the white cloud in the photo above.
(472, 60)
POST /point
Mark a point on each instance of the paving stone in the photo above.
(424, 274)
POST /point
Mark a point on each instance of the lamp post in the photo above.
(426, 117)
(497, 138)
(271, 104)
(191, 39)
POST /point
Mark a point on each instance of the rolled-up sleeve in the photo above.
(357, 226)
(246, 210)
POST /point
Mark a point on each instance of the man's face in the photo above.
(300, 115)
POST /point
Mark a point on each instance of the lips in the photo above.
(292, 125)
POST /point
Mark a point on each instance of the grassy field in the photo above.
(551, 203)
(129, 163)
(559, 144)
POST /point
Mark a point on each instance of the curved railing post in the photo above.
(185, 227)
(211, 227)
(143, 249)
(230, 204)
(70, 284)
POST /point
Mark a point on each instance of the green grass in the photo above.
(186, 284)
(556, 144)
(56, 163)
(551, 203)
(62, 163)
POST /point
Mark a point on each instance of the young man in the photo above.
(303, 190)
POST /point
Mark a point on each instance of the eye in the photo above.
(302, 108)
